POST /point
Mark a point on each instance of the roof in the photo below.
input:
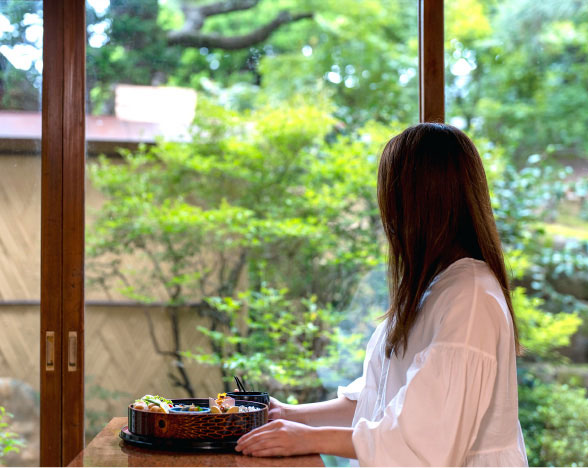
(20, 132)
(142, 113)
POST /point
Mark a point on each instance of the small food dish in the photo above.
(260, 397)
(222, 404)
(226, 404)
(192, 409)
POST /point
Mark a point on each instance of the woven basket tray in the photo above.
(195, 426)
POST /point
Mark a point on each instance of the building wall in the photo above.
(120, 358)
(20, 227)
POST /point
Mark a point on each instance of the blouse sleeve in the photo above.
(434, 418)
(372, 361)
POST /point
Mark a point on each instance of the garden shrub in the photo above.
(9, 441)
(554, 418)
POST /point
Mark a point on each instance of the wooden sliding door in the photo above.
(62, 232)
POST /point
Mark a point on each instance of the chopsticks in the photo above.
(240, 384)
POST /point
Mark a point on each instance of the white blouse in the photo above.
(451, 400)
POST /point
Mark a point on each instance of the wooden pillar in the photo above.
(431, 63)
(51, 232)
(62, 231)
(74, 164)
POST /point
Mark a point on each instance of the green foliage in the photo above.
(542, 333)
(263, 183)
(263, 223)
(9, 441)
(554, 419)
(280, 344)
(20, 89)
(354, 51)
(523, 197)
(265, 196)
(525, 88)
(361, 53)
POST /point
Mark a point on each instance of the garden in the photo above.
(263, 223)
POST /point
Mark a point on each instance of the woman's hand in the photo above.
(277, 409)
(286, 438)
(278, 438)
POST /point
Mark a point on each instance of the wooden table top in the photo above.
(107, 449)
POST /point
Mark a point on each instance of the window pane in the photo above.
(516, 82)
(21, 54)
(232, 219)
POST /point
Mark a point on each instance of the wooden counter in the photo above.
(107, 449)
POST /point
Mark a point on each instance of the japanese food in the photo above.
(226, 404)
(222, 404)
(158, 404)
(153, 403)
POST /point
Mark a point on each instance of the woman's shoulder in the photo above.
(467, 280)
(468, 306)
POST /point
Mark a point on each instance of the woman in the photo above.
(439, 382)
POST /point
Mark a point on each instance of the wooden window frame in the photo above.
(431, 61)
(62, 206)
(62, 230)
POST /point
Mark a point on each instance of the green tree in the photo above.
(21, 88)
(256, 198)
(363, 53)
(516, 73)
(153, 43)
(292, 348)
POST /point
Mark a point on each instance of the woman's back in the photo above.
(451, 398)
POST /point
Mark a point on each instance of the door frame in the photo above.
(62, 231)
(62, 208)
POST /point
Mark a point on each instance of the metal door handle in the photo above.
(50, 351)
(72, 354)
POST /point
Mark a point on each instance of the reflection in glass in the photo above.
(232, 220)
(516, 75)
(21, 65)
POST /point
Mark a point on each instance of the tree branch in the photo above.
(195, 16)
(185, 383)
(158, 350)
(228, 287)
(193, 38)
(159, 272)
(227, 6)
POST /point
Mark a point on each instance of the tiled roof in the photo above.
(20, 131)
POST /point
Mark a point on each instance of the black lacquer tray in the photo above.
(177, 445)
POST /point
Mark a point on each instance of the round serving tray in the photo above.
(182, 445)
(196, 427)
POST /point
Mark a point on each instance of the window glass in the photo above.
(232, 224)
(21, 64)
(516, 82)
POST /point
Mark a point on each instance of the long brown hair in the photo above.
(435, 208)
